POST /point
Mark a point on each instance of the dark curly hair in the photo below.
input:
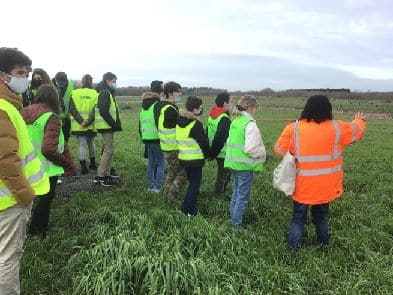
(171, 87)
(192, 103)
(10, 58)
(318, 109)
(108, 76)
(156, 86)
(44, 75)
(221, 98)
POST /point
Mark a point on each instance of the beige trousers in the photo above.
(12, 236)
(104, 168)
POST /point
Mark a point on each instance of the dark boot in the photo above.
(84, 169)
(93, 165)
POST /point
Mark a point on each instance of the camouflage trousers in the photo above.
(175, 175)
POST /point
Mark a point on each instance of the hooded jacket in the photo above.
(171, 114)
(51, 137)
(11, 173)
(148, 99)
(198, 133)
(222, 133)
(103, 105)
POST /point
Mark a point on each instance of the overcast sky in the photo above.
(232, 44)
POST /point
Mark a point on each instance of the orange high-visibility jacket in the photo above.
(319, 156)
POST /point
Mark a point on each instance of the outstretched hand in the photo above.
(360, 115)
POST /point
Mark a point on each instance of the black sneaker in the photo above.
(108, 181)
(114, 173)
(93, 166)
(98, 180)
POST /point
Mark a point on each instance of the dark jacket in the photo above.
(51, 137)
(198, 133)
(103, 106)
(171, 115)
(78, 118)
(148, 99)
(61, 91)
(222, 131)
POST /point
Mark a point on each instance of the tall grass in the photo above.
(128, 241)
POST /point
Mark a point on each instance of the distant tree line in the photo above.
(333, 93)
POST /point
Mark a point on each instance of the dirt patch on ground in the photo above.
(81, 183)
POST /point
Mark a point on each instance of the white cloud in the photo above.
(135, 36)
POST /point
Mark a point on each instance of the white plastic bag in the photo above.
(284, 176)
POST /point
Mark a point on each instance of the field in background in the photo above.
(129, 241)
(382, 107)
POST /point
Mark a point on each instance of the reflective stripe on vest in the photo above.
(85, 101)
(318, 158)
(316, 172)
(354, 132)
(31, 179)
(147, 124)
(243, 160)
(37, 134)
(212, 125)
(66, 99)
(99, 122)
(30, 164)
(189, 149)
(236, 158)
(167, 136)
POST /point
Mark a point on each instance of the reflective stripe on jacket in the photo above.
(236, 158)
(189, 149)
(167, 135)
(319, 156)
(37, 134)
(212, 125)
(85, 101)
(31, 165)
(99, 122)
(147, 124)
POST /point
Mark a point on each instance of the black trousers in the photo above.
(222, 178)
(66, 128)
(40, 216)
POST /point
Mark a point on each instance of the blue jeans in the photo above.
(189, 205)
(155, 166)
(241, 185)
(319, 214)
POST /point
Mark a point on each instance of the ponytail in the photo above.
(245, 102)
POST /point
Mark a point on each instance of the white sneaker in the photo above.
(156, 190)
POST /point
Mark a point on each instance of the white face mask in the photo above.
(18, 85)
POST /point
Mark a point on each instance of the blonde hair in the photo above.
(245, 102)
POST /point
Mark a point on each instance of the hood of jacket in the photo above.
(7, 94)
(216, 112)
(148, 99)
(186, 117)
(102, 86)
(33, 111)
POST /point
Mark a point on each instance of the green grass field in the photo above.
(129, 241)
(297, 103)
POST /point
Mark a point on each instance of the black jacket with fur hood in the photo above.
(198, 133)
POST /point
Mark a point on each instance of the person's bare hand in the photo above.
(360, 115)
